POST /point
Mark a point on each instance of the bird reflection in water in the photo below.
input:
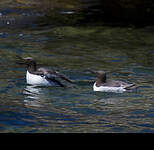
(33, 96)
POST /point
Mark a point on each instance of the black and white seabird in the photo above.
(42, 76)
(104, 85)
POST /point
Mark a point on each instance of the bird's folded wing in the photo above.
(52, 75)
(130, 86)
(46, 74)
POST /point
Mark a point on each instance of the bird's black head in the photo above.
(101, 76)
(28, 60)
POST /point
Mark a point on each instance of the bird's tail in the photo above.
(130, 86)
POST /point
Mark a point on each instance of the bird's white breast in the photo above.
(36, 80)
(108, 89)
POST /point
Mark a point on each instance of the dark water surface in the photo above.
(127, 53)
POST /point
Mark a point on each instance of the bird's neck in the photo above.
(99, 81)
(32, 67)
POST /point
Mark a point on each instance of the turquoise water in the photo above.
(127, 53)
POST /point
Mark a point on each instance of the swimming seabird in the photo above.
(42, 76)
(104, 85)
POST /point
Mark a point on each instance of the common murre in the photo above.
(42, 76)
(104, 85)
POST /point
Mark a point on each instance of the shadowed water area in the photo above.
(127, 53)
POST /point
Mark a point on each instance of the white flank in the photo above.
(37, 80)
(108, 89)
